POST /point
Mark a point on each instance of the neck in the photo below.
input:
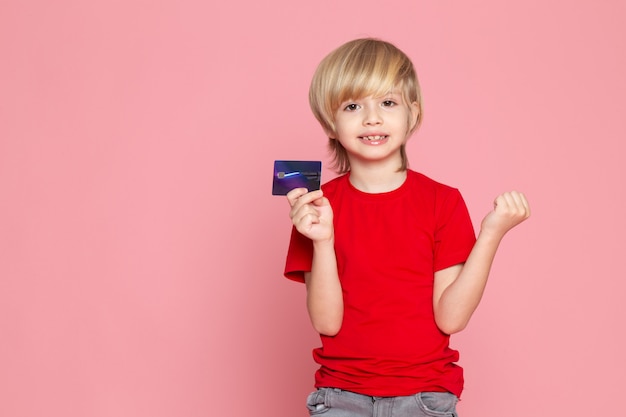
(376, 179)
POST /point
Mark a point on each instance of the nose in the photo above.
(372, 116)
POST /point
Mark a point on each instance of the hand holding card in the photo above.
(296, 174)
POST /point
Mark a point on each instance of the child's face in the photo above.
(374, 128)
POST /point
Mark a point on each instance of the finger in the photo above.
(525, 203)
(322, 201)
(521, 204)
(501, 202)
(295, 194)
(304, 221)
(513, 202)
(309, 218)
(300, 210)
(306, 198)
(516, 201)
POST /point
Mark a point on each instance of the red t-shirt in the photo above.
(388, 247)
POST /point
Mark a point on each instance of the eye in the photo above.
(351, 107)
(388, 103)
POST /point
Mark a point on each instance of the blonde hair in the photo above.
(358, 69)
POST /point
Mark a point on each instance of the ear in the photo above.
(415, 115)
(330, 133)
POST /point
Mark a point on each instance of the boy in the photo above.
(389, 257)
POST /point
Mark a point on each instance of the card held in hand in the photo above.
(296, 174)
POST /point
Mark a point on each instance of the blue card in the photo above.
(295, 174)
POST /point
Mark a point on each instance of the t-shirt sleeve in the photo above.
(299, 256)
(454, 235)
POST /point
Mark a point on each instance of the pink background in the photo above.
(141, 252)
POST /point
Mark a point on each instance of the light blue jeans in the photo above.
(332, 402)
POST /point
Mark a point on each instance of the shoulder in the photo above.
(443, 199)
(332, 187)
(429, 186)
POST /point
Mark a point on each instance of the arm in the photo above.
(312, 216)
(458, 289)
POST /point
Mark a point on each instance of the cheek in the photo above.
(342, 127)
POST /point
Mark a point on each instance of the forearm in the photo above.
(324, 294)
(461, 298)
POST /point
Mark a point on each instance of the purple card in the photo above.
(295, 174)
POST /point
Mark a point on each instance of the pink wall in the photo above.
(141, 251)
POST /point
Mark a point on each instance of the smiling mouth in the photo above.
(374, 138)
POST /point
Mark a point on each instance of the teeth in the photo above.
(374, 137)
